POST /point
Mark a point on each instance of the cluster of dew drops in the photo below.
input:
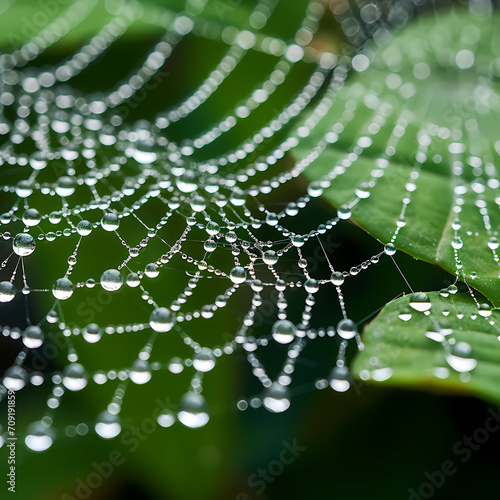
(67, 127)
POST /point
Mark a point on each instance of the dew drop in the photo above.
(110, 222)
(204, 360)
(238, 275)
(33, 337)
(15, 378)
(84, 228)
(161, 320)
(276, 398)
(140, 372)
(62, 289)
(166, 418)
(31, 217)
(108, 425)
(460, 358)
(38, 437)
(23, 244)
(339, 378)
(7, 291)
(193, 410)
(111, 280)
(389, 249)
(75, 377)
(346, 329)
(92, 333)
(420, 302)
(283, 331)
(337, 278)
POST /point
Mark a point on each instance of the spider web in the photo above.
(118, 225)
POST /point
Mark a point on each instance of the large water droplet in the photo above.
(23, 244)
(460, 357)
(75, 377)
(270, 258)
(62, 289)
(140, 372)
(65, 186)
(33, 337)
(7, 291)
(193, 410)
(108, 425)
(346, 328)
(204, 360)
(276, 398)
(337, 278)
(111, 280)
(84, 228)
(31, 217)
(110, 222)
(283, 331)
(92, 333)
(38, 437)
(161, 320)
(15, 378)
(238, 275)
(420, 302)
(389, 249)
(339, 378)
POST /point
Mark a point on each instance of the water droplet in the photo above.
(420, 302)
(460, 358)
(339, 378)
(75, 377)
(92, 333)
(133, 280)
(238, 275)
(346, 328)
(110, 222)
(65, 186)
(15, 378)
(405, 314)
(311, 286)
(193, 410)
(7, 291)
(272, 219)
(212, 228)
(31, 217)
(485, 310)
(270, 257)
(108, 425)
(276, 398)
(161, 320)
(187, 182)
(23, 244)
(140, 372)
(166, 418)
(389, 249)
(493, 243)
(204, 360)
(343, 212)
(62, 289)
(111, 280)
(210, 245)
(457, 243)
(283, 331)
(337, 278)
(297, 240)
(84, 228)
(38, 437)
(33, 337)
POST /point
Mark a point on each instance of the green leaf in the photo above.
(437, 135)
(421, 350)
